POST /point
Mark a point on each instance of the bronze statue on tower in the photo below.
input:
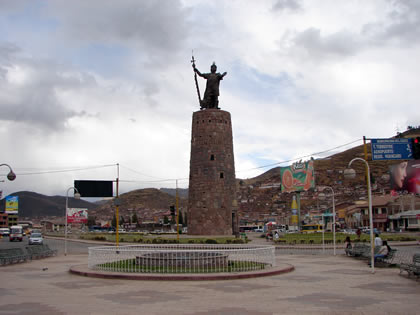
(211, 94)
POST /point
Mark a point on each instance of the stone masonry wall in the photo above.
(212, 187)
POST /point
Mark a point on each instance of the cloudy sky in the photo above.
(85, 85)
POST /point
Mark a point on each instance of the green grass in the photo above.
(129, 265)
(316, 238)
(141, 239)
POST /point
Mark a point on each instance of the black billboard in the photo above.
(94, 188)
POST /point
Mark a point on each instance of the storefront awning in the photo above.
(405, 215)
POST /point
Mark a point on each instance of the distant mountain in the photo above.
(182, 192)
(145, 203)
(34, 205)
(260, 198)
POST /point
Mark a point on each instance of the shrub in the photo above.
(100, 238)
(210, 241)
(191, 241)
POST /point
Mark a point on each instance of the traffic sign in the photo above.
(391, 149)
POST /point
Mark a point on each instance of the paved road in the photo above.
(319, 285)
(404, 253)
(74, 248)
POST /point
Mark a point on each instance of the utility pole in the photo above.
(117, 205)
(177, 211)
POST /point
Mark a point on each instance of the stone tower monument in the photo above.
(212, 188)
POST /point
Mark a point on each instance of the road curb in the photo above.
(83, 270)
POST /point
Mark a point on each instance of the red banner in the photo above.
(75, 215)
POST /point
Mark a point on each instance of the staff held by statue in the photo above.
(211, 94)
(196, 81)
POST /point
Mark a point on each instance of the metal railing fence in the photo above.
(177, 258)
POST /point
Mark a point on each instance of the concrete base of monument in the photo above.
(83, 270)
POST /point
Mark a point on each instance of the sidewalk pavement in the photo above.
(319, 285)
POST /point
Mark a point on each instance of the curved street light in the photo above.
(322, 196)
(76, 196)
(11, 176)
(351, 173)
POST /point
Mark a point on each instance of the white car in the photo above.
(349, 231)
(36, 239)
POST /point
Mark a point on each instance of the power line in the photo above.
(159, 180)
(66, 170)
(154, 181)
(300, 158)
(134, 171)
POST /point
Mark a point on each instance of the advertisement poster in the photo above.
(12, 204)
(405, 177)
(75, 215)
(297, 177)
(294, 220)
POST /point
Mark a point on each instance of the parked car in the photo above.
(4, 231)
(349, 231)
(375, 231)
(36, 239)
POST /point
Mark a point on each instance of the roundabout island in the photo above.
(181, 262)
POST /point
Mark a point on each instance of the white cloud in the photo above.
(101, 82)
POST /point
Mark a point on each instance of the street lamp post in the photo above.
(11, 176)
(323, 234)
(333, 205)
(77, 196)
(351, 173)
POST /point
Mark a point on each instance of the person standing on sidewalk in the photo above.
(378, 240)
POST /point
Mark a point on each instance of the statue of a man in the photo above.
(211, 95)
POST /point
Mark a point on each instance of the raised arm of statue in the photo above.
(198, 72)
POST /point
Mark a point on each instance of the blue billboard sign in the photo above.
(12, 204)
(391, 149)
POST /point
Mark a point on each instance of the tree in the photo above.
(180, 219)
(114, 221)
(121, 221)
(165, 220)
(135, 220)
